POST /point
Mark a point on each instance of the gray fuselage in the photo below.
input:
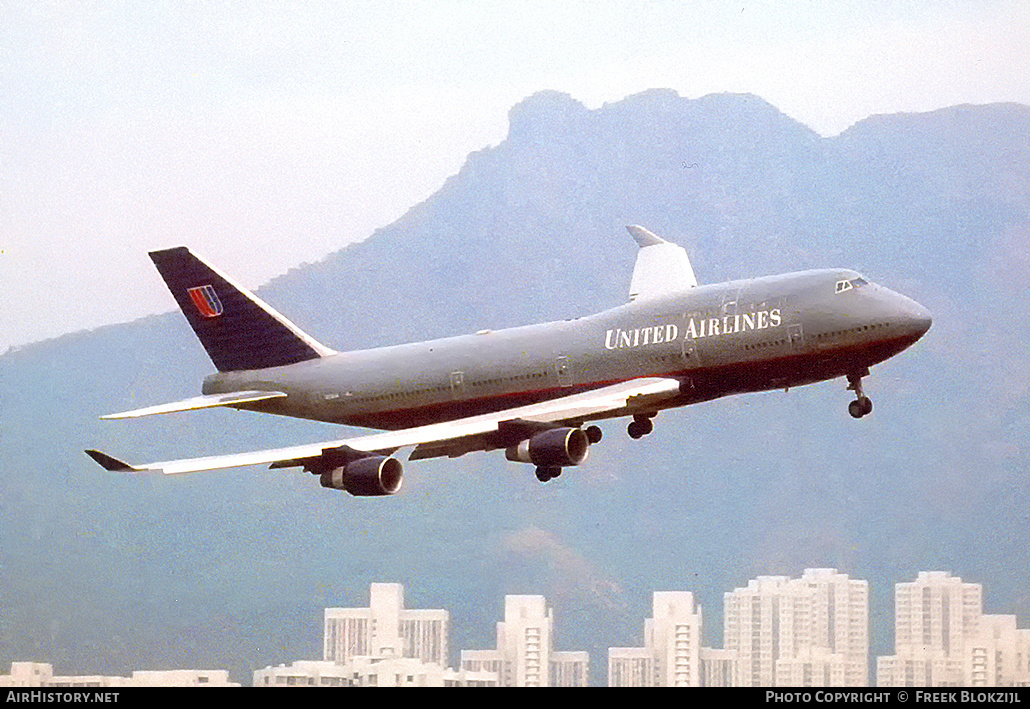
(742, 336)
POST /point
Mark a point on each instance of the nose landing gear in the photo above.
(862, 405)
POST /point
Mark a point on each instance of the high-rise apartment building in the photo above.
(631, 667)
(386, 628)
(525, 656)
(810, 631)
(936, 612)
(719, 668)
(997, 654)
(933, 616)
(942, 638)
(671, 656)
(751, 628)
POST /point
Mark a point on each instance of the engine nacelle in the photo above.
(557, 447)
(366, 477)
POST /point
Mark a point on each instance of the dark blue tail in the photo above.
(238, 330)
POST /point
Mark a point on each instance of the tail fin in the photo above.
(238, 330)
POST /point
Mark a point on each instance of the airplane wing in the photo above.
(452, 438)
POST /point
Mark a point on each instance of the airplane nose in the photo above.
(914, 318)
(922, 319)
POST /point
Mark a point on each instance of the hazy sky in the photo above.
(264, 135)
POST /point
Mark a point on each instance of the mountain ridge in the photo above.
(237, 566)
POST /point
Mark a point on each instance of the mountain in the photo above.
(105, 573)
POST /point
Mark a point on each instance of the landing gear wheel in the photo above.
(860, 407)
(640, 426)
(594, 434)
(547, 472)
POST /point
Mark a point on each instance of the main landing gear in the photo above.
(862, 405)
(640, 426)
(547, 472)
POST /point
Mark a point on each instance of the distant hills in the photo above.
(103, 573)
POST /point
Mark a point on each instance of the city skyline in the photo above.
(780, 631)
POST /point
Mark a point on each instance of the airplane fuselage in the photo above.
(742, 336)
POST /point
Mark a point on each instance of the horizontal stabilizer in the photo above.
(661, 268)
(207, 401)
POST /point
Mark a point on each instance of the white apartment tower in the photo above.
(719, 668)
(933, 616)
(751, 628)
(671, 656)
(936, 612)
(942, 638)
(812, 631)
(524, 640)
(997, 654)
(631, 667)
(525, 656)
(386, 628)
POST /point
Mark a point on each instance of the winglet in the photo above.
(643, 237)
(112, 464)
(661, 268)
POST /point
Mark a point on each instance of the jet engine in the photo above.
(366, 477)
(556, 447)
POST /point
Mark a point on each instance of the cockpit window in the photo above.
(847, 285)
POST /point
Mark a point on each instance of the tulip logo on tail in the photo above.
(206, 300)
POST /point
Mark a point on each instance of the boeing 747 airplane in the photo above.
(533, 391)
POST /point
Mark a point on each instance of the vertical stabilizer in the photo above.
(662, 267)
(238, 330)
